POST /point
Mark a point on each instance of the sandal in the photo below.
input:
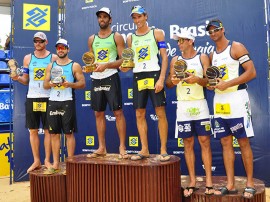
(138, 157)
(164, 157)
(224, 191)
(249, 190)
(190, 188)
(209, 190)
(95, 155)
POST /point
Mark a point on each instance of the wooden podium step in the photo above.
(219, 181)
(48, 187)
(109, 179)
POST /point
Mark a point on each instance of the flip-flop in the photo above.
(51, 171)
(164, 157)
(249, 190)
(225, 191)
(208, 191)
(123, 156)
(189, 188)
(138, 157)
(95, 155)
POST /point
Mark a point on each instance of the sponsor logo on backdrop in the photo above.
(128, 1)
(154, 117)
(36, 17)
(213, 168)
(235, 142)
(180, 142)
(87, 95)
(130, 93)
(90, 140)
(90, 4)
(110, 118)
(133, 141)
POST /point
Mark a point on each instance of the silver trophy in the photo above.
(128, 55)
(14, 69)
(180, 67)
(212, 73)
(56, 75)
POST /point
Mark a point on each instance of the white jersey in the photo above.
(185, 91)
(229, 68)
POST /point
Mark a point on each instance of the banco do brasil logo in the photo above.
(36, 17)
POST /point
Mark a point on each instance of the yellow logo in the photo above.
(87, 95)
(147, 83)
(39, 74)
(36, 17)
(143, 53)
(89, 1)
(90, 140)
(224, 72)
(235, 142)
(39, 106)
(180, 142)
(223, 109)
(130, 93)
(192, 71)
(102, 55)
(133, 141)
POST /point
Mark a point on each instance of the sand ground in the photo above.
(20, 191)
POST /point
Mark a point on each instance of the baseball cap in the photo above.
(40, 35)
(63, 42)
(185, 35)
(216, 23)
(137, 9)
(104, 10)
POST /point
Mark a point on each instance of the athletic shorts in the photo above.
(61, 117)
(35, 109)
(233, 115)
(107, 90)
(192, 118)
(143, 87)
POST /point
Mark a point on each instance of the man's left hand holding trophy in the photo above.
(14, 70)
(89, 60)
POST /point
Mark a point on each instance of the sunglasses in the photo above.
(182, 40)
(59, 48)
(39, 41)
(214, 30)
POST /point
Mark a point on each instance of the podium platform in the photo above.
(109, 179)
(219, 181)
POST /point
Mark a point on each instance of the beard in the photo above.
(62, 56)
(104, 26)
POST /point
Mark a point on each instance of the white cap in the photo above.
(40, 35)
(63, 42)
(104, 10)
(185, 35)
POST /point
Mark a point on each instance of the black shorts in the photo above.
(61, 117)
(35, 110)
(143, 86)
(107, 90)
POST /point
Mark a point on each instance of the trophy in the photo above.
(56, 75)
(128, 55)
(180, 66)
(14, 69)
(212, 73)
(88, 58)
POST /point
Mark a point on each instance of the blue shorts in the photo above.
(187, 129)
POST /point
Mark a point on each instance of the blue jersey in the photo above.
(60, 93)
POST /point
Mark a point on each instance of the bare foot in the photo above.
(34, 166)
(123, 153)
(47, 164)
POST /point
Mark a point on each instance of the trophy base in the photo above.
(89, 68)
(212, 82)
(128, 64)
(181, 75)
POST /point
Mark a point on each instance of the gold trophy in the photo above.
(212, 73)
(180, 67)
(14, 69)
(89, 59)
(128, 55)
